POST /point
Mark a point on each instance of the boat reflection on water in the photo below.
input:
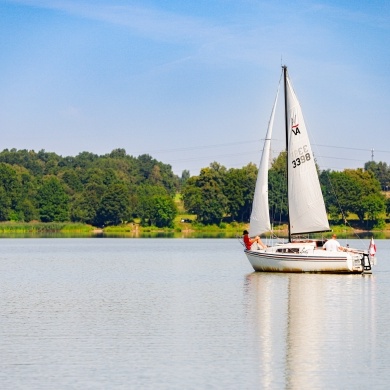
(310, 330)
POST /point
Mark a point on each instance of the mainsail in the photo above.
(306, 203)
(259, 220)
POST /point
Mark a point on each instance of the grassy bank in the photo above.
(40, 227)
(189, 227)
(184, 226)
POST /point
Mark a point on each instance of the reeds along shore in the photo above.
(41, 227)
(188, 229)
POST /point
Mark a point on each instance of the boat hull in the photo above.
(320, 262)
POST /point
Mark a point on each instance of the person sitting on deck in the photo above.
(249, 241)
(333, 245)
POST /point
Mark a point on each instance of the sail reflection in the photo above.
(301, 321)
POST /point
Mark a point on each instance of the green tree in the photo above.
(27, 211)
(381, 172)
(26, 208)
(72, 180)
(118, 154)
(85, 160)
(84, 208)
(373, 205)
(367, 186)
(239, 188)
(192, 195)
(5, 205)
(277, 189)
(352, 191)
(114, 207)
(11, 192)
(157, 173)
(203, 195)
(388, 206)
(53, 202)
(185, 175)
(145, 202)
(162, 211)
(341, 193)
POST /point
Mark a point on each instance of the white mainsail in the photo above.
(259, 220)
(306, 203)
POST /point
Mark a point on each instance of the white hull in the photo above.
(304, 258)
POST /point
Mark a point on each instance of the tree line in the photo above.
(97, 190)
(116, 188)
(219, 194)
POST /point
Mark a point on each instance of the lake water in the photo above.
(184, 314)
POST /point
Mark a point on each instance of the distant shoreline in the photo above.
(182, 230)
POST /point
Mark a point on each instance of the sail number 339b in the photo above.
(301, 155)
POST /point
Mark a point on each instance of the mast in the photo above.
(286, 129)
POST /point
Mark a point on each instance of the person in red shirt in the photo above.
(249, 241)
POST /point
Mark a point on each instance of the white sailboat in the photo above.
(306, 206)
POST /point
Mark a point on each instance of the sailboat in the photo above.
(306, 207)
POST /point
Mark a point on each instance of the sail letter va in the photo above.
(295, 129)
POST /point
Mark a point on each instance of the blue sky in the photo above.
(192, 82)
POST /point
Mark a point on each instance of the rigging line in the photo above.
(254, 152)
(249, 142)
(323, 165)
(341, 147)
(202, 147)
(339, 158)
(344, 147)
(249, 153)
(381, 151)
(209, 157)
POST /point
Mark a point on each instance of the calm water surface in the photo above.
(184, 314)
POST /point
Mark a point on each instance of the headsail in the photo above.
(306, 203)
(260, 221)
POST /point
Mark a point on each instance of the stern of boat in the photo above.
(356, 263)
